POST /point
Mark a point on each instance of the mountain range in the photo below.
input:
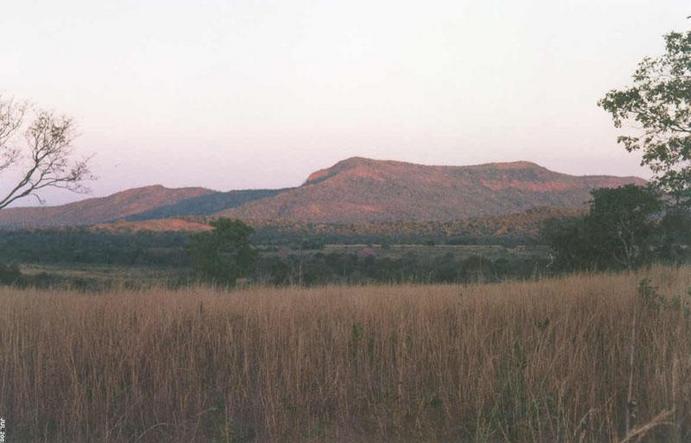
(355, 190)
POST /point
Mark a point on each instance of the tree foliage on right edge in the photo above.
(631, 226)
(625, 228)
(622, 222)
(224, 254)
(658, 105)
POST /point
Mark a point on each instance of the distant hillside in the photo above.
(205, 204)
(361, 190)
(158, 225)
(524, 226)
(98, 210)
(356, 190)
(516, 227)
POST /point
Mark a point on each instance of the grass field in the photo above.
(491, 252)
(581, 358)
(105, 276)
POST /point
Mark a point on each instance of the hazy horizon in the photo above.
(238, 95)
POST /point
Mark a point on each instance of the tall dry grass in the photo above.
(553, 360)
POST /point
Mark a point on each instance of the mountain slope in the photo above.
(98, 210)
(205, 204)
(154, 225)
(360, 189)
(355, 190)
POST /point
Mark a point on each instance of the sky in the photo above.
(258, 94)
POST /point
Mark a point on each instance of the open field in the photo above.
(491, 252)
(143, 274)
(552, 360)
(99, 276)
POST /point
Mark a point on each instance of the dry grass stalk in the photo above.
(639, 432)
(520, 361)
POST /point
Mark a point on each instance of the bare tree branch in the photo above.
(45, 161)
(11, 119)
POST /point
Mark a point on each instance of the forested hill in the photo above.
(356, 190)
(97, 210)
(361, 190)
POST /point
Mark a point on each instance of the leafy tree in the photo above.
(620, 231)
(622, 222)
(477, 269)
(9, 274)
(445, 268)
(658, 102)
(675, 236)
(224, 254)
(43, 160)
(570, 244)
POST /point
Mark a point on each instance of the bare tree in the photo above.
(43, 159)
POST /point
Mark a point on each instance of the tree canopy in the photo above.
(224, 254)
(621, 231)
(657, 106)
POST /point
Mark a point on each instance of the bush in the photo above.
(10, 274)
(621, 231)
(224, 254)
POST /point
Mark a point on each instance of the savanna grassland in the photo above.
(580, 358)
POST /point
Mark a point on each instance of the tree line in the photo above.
(625, 228)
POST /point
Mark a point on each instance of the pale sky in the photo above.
(249, 94)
